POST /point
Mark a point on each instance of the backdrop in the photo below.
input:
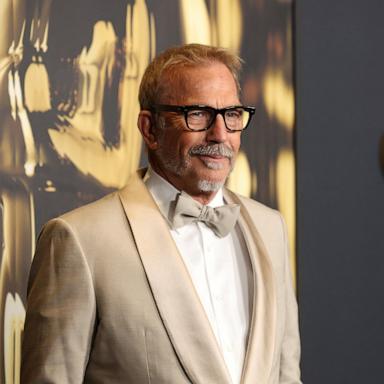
(69, 77)
(340, 216)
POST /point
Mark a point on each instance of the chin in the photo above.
(214, 175)
(209, 186)
(211, 180)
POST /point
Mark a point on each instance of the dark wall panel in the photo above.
(340, 122)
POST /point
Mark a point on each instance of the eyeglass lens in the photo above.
(235, 119)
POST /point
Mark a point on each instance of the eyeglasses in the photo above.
(201, 117)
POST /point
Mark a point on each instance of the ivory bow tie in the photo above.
(221, 219)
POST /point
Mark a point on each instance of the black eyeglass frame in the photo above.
(216, 111)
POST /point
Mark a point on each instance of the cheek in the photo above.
(176, 138)
(235, 142)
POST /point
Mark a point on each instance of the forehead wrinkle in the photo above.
(173, 88)
(176, 88)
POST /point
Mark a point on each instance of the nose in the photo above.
(217, 133)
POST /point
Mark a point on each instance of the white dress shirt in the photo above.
(220, 271)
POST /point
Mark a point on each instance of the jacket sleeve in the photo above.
(290, 351)
(61, 310)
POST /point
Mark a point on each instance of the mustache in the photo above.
(212, 150)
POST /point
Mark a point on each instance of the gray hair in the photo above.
(171, 60)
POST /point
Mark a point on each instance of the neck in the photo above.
(203, 197)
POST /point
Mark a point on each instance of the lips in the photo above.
(214, 162)
(215, 157)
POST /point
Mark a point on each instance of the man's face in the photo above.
(181, 156)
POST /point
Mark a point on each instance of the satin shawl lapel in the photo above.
(261, 340)
(179, 306)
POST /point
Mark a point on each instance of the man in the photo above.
(173, 279)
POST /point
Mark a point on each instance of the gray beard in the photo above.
(172, 164)
(178, 167)
(209, 186)
(175, 165)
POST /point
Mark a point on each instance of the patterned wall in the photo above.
(69, 76)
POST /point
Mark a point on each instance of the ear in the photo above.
(145, 125)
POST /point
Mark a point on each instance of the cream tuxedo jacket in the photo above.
(110, 300)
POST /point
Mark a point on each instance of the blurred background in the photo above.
(69, 78)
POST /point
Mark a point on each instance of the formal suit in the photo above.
(110, 300)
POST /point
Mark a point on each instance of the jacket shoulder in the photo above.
(99, 211)
(95, 217)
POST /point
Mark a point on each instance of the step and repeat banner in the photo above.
(69, 77)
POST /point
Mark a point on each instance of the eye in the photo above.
(234, 113)
(198, 114)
